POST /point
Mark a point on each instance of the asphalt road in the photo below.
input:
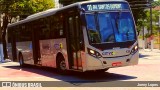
(148, 69)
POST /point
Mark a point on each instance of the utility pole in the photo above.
(159, 30)
(143, 36)
(151, 25)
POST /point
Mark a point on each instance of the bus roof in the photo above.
(54, 10)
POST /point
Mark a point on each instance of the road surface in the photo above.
(148, 69)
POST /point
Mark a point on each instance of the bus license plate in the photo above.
(116, 64)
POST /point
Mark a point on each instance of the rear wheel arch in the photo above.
(59, 55)
(61, 64)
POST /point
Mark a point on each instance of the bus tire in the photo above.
(61, 64)
(21, 60)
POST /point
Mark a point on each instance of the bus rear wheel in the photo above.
(21, 61)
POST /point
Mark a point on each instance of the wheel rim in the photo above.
(62, 65)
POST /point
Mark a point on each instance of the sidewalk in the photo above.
(4, 61)
(155, 53)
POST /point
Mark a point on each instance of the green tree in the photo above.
(156, 3)
(145, 21)
(141, 13)
(14, 8)
(141, 22)
(154, 19)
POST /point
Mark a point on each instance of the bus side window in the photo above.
(52, 25)
(17, 33)
(44, 28)
(61, 29)
(26, 32)
(57, 26)
(9, 34)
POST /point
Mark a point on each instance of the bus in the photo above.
(84, 36)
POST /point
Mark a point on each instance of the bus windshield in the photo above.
(110, 27)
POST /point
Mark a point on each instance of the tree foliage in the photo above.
(27, 7)
(146, 22)
(13, 8)
(156, 3)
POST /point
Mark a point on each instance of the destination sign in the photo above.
(105, 6)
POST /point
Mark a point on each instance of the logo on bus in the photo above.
(128, 51)
(58, 46)
(109, 53)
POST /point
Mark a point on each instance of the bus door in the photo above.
(73, 42)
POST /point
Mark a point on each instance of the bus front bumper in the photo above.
(103, 63)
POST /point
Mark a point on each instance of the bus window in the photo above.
(57, 29)
(26, 33)
(44, 29)
(106, 28)
(92, 30)
(111, 27)
(126, 27)
(52, 27)
(18, 35)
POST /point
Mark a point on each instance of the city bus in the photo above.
(84, 36)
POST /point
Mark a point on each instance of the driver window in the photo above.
(92, 31)
(91, 24)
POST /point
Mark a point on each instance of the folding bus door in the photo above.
(73, 42)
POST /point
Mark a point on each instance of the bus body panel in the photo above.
(47, 56)
(49, 50)
(9, 51)
(25, 48)
(134, 59)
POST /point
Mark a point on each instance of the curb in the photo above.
(5, 61)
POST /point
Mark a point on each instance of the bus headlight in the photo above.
(94, 53)
(135, 49)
